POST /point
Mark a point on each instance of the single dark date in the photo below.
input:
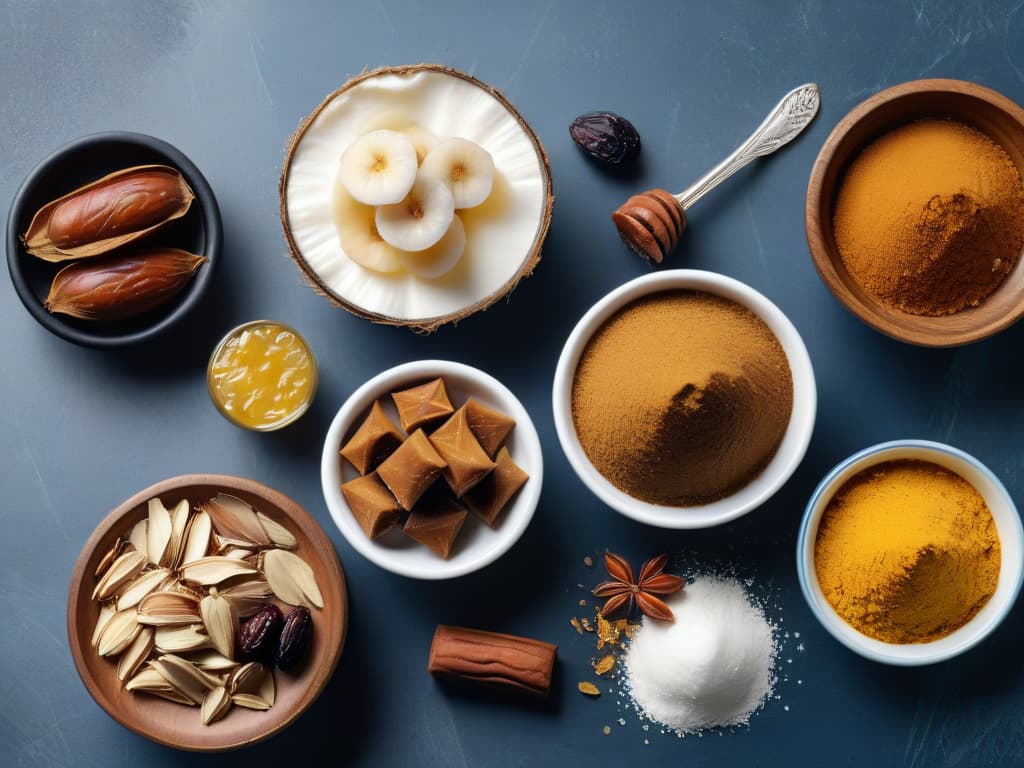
(298, 627)
(607, 137)
(259, 637)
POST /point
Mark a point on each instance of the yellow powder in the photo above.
(907, 552)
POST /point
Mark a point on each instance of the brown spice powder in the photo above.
(930, 217)
(682, 398)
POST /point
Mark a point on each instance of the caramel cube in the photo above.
(436, 521)
(493, 494)
(491, 427)
(423, 405)
(374, 441)
(372, 504)
(467, 462)
(411, 469)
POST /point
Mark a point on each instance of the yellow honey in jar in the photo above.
(262, 375)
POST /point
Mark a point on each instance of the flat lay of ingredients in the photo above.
(418, 196)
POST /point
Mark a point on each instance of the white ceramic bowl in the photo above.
(1008, 526)
(477, 545)
(794, 443)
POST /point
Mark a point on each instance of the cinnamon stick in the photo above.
(492, 658)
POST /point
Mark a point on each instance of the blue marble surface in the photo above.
(227, 83)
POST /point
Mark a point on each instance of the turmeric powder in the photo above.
(907, 552)
(930, 217)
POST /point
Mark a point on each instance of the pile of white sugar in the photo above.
(713, 666)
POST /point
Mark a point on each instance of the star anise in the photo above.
(625, 592)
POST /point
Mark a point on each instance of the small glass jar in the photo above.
(262, 375)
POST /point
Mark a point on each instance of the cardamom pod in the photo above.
(108, 213)
(120, 287)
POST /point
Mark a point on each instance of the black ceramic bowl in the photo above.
(79, 163)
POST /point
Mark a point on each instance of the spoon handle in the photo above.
(783, 124)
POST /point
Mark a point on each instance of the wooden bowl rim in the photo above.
(323, 672)
(815, 229)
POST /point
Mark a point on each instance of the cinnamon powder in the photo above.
(682, 398)
(930, 217)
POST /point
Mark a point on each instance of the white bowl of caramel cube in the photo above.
(432, 469)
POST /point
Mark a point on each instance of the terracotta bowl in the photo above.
(178, 726)
(980, 107)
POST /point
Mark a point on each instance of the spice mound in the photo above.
(930, 217)
(907, 552)
(712, 667)
(682, 398)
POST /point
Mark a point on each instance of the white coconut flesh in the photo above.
(500, 234)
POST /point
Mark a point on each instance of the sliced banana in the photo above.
(466, 168)
(379, 168)
(422, 140)
(358, 235)
(421, 219)
(440, 258)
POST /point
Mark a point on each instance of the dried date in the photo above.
(298, 627)
(260, 634)
(607, 137)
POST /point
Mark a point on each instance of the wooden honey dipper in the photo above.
(652, 223)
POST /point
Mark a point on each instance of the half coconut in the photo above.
(503, 235)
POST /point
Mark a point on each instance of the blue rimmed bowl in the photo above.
(1008, 526)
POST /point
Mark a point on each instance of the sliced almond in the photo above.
(234, 519)
(138, 537)
(197, 538)
(291, 578)
(214, 570)
(107, 560)
(119, 633)
(277, 533)
(125, 568)
(213, 662)
(183, 677)
(140, 586)
(179, 524)
(215, 705)
(168, 608)
(221, 621)
(181, 639)
(158, 533)
(250, 701)
(107, 611)
(235, 553)
(149, 680)
(135, 654)
(248, 595)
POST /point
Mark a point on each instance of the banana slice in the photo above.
(466, 168)
(420, 220)
(357, 233)
(379, 168)
(422, 140)
(440, 258)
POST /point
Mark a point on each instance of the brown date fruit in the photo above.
(108, 213)
(298, 628)
(120, 287)
(607, 137)
(260, 634)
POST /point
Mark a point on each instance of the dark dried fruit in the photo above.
(298, 628)
(606, 136)
(260, 634)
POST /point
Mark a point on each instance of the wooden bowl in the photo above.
(980, 107)
(175, 725)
